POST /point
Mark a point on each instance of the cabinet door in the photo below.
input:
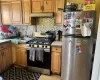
(37, 5)
(59, 14)
(48, 6)
(16, 12)
(8, 54)
(0, 61)
(6, 13)
(21, 57)
(26, 11)
(4, 60)
(55, 62)
(14, 54)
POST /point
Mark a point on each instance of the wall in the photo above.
(43, 25)
(76, 1)
(96, 64)
(97, 9)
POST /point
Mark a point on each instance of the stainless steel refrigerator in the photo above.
(78, 31)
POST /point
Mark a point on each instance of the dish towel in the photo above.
(32, 52)
(40, 54)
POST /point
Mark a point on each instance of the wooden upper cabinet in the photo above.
(59, 14)
(37, 5)
(16, 12)
(42, 5)
(26, 11)
(6, 13)
(48, 6)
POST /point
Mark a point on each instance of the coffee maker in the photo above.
(59, 35)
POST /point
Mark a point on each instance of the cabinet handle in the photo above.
(42, 8)
(3, 53)
(46, 2)
(1, 47)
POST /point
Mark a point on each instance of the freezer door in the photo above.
(67, 58)
(76, 58)
(82, 59)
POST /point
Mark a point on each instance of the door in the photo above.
(68, 49)
(55, 62)
(4, 59)
(16, 12)
(8, 57)
(26, 11)
(58, 13)
(0, 61)
(6, 13)
(48, 6)
(82, 59)
(37, 5)
(14, 53)
(21, 57)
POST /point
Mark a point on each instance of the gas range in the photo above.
(39, 43)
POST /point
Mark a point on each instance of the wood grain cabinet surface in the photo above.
(5, 57)
(26, 7)
(42, 5)
(56, 60)
(59, 13)
(37, 5)
(20, 55)
(6, 13)
(16, 9)
(48, 5)
(11, 12)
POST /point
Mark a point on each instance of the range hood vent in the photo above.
(49, 15)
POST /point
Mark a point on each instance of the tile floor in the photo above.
(52, 77)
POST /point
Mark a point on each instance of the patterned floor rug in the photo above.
(15, 73)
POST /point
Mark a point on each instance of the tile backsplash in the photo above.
(43, 25)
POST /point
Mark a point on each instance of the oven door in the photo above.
(46, 64)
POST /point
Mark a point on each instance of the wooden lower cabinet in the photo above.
(5, 58)
(56, 60)
(0, 61)
(21, 57)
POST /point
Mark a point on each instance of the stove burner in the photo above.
(40, 41)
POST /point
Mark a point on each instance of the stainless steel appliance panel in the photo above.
(76, 65)
(67, 58)
(82, 60)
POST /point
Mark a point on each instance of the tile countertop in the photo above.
(56, 43)
(3, 41)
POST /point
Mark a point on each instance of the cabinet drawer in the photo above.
(5, 45)
(56, 49)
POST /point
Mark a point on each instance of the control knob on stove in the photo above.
(32, 45)
(29, 45)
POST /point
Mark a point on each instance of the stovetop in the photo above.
(41, 41)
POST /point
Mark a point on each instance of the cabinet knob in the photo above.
(2, 53)
(46, 2)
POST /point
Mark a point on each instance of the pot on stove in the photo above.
(51, 35)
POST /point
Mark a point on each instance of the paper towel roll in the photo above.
(85, 30)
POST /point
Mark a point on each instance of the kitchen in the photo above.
(32, 19)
